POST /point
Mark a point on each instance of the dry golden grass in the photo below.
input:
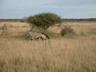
(76, 54)
(77, 26)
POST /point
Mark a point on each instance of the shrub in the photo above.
(22, 20)
(67, 30)
(50, 34)
(44, 20)
(26, 36)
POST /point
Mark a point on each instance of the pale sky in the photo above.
(63, 8)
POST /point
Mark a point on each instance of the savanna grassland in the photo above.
(64, 54)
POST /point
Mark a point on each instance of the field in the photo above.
(64, 54)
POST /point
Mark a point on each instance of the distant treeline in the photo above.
(65, 20)
(79, 20)
(12, 20)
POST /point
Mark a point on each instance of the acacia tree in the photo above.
(44, 20)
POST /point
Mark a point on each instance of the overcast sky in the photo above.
(63, 8)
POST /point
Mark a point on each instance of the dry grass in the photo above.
(77, 26)
(76, 54)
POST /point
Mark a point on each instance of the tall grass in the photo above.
(57, 55)
(53, 55)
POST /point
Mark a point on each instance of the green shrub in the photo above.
(22, 20)
(44, 20)
(50, 34)
(26, 36)
(67, 30)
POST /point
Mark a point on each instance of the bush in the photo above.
(25, 36)
(22, 20)
(50, 34)
(44, 20)
(67, 30)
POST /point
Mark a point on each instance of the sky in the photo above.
(11, 9)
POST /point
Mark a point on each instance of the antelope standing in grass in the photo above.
(36, 35)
